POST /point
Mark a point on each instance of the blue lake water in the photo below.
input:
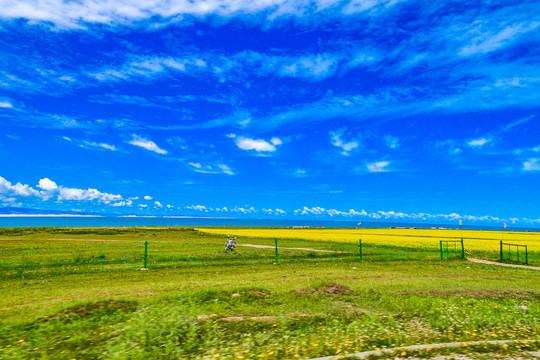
(38, 221)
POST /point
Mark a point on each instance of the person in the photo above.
(231, 243)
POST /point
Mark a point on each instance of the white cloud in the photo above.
(197, 208)
(66, 193)
(478, 142)
(276, 141)
(76, 15)
(89, 144)
(311, 67)
(328, 212)
(158, 204)
(127, 203)
(258, 145)
(101, 145)
(50, 189)
(224, 67)
(274, 211)
(136, 67)
(17, 190)
(337, 141)
(147, 197)
(47, 184)
(24, 190)
(146, 144)
(531, 165)
(392, 142)
(487, 42)
(379, 166)
(225, 169)
(400, 216)
(211, 169)
(243, 210)
(5, 104)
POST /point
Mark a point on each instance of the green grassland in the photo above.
(79, 293)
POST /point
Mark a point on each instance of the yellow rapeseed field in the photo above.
(475, 240)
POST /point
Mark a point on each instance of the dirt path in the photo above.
(480, 261)
(285, 248)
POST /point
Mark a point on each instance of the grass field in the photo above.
(479, 243)
(79, 294)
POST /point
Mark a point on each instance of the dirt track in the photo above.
(285, 248)
(480, 261)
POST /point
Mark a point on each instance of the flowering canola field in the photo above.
(474, 240)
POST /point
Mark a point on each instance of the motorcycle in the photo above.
(231, 243)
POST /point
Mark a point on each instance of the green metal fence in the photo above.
(452, 248)
(513, 253)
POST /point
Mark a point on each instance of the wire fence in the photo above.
(511, 253)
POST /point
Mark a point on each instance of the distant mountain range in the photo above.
(27, 211)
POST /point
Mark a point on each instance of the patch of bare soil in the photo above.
(91, 309)
(327, 289)
(256, 292)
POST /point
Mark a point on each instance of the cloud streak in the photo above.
(78, 15)
(146, 144)
(211, 169)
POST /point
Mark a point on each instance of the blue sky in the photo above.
(364, 110)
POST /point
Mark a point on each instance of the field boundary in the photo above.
(367, 354)
(480, 261)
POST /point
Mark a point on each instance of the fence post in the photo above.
(360, 248)
(275, 239)
(501, 252)
(145, 253)
(442, 257)
(462, 249)
(526, 257)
